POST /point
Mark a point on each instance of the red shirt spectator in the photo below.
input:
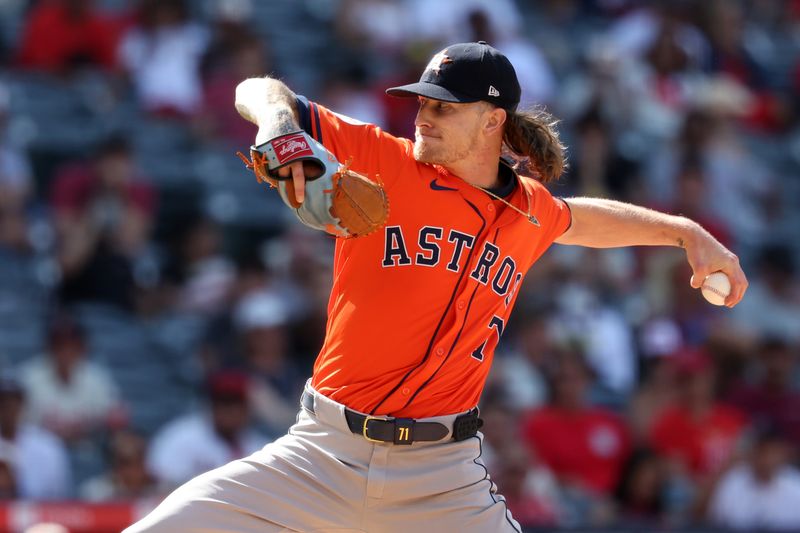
(583, 445)
(63, 33)
(698, 431)
(704, 443)
(77, 187)
(103, 216)
(111, 175)
(588, 446)
(243, 59)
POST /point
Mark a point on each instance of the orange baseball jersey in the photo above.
(417, 308)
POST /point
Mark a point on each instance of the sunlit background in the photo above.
(160, 310)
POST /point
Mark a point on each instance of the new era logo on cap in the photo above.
(493, 91)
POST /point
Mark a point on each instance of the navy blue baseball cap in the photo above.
(467, 72)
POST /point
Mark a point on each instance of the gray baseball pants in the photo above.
(321, 477)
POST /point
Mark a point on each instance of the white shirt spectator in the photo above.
(604, 333)
(634, 34)
(764, 313)
(165, 65)
(88, 399)
(16, 176)
(742, 502)
(535, 76)
(15, 173)
(446, 21)
(189, 446)
(41, 464)
(208, 285)
(384, 24)
(522, 380)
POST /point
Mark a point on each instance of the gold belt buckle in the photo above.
(364, 428)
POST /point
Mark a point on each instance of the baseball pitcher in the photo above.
(433, 239)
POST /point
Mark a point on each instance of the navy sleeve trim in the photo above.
(316, 123)
(304, 114)
(570, 214)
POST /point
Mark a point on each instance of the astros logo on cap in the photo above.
(436, 62)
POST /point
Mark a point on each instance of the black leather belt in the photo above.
(403, 430)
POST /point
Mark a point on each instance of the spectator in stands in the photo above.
(770, 395)
(583, 316)
(738, 183)
(533, 71)
(530, 490)
(500, 423)
(348, 89)
(128, 477)
(399, 113)
(200, 441)
(16, 184)
(772, 306)
(162, 54)
(657, 391)
(103, 213)
(584, 446)
(300, 260)
(637, 30)
(691, 191)
(231, 25)
(198, 274)
(701, 434)
(725, 24)
(762, 493)
(8, 478)
(519, 366)
(221, 343)
(383, 27)
(599, 168)
(642, 491)
(686, 149)
(447, 21)
(239, 59)
(39, 458)
(659, 85)
(66, 393)
(60, 35)
(276, 381)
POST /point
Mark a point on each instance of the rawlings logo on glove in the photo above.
(339, 201)
(291, 147)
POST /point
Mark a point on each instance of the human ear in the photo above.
(494, 120)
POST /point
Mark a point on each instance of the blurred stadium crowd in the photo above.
(160, 311)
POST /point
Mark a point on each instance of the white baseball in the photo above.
(716, 287)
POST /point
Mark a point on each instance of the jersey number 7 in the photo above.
(496, 323)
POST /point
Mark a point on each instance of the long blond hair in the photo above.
(531, 139)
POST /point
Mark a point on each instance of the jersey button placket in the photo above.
(461, 305)
(406, 391)
(440, 351)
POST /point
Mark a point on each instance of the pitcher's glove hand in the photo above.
(338, 200)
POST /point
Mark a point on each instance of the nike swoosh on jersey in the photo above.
(436, 187)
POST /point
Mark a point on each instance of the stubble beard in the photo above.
(441, 154)
(425, 153)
